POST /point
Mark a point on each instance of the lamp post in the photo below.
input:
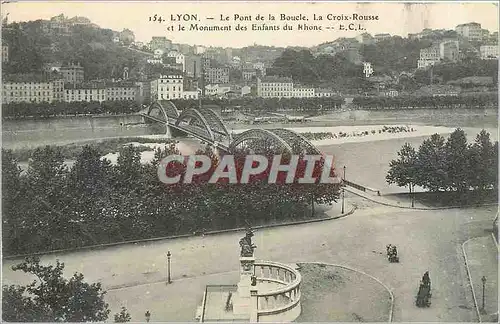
(168, 267)
(483, 279)
(343, 192)
(412, 189)
(148, 316)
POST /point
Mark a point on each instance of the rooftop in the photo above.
(276, 79)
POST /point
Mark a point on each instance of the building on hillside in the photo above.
(216, 75)
(260, 66)
(199, 49)
(58, 89)
(79, 21)
(5, 53)
(127, 36)
(493, 38)
(217, 89)
(274, 87)
(489, 52)
(193, 66)
(190, 94)
(471, 31)
(160, 43)
(324, 93)
(249, 74)
(167, 87)
(59, 24)
(365, 39)
(72, 73)
(179, 58)
(449, 50)
(381, 37)
(122, 91)
(389, 93)
(27, 88)
(246, 90)
(302, 92)
(86, 92)
(429, 56)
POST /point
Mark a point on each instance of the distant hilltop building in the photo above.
(127, 36)
(381, 37)
(489, 52)
(72, 73)
(447, 50)
(5, 53)
(471, 31)
(158, 42)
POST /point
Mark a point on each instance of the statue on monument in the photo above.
(247, 247)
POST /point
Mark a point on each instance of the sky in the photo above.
(394, 18)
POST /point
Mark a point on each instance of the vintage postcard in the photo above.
(204, 161)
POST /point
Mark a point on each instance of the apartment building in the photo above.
(72, 73)
(167, 87)
(216, 75)
(84, 92)
(274, 87)
(489, 52)
(471, 31)
(123, 91)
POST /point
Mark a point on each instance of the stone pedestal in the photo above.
(242, 300)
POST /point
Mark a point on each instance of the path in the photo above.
(482, 260)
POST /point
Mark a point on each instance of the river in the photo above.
(69, 129)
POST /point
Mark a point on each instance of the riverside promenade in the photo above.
(481, 255)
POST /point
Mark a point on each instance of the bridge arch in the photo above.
(167, 108)
(215, 122)
(297, 142)
(260, 135)
(188, 115)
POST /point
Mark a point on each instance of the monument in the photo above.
(265, 292)
(242, 299)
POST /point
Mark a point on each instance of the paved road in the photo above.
(426, 240)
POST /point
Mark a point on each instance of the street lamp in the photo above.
(168, 267)
(483, 279)
(148, 316)
(343, 192)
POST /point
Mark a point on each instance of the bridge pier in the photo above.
(168, 132)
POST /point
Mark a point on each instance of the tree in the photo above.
(123, 316)
(53, 298)
(431, 164)
(403, 171)
(457, 161)
(11, 200)
(483, 162)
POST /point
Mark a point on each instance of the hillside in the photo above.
(33, 44)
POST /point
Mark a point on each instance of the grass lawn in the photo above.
(333, 294)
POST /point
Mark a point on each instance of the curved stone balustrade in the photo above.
(281, 302)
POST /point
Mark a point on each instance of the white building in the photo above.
(217, 89)
(472, 31)
(274, 87)
(245, 90)
(27, 92)
(83, 93)
(428, 57)
(154, 61)
(179, 58)
(167, 87)
(158, 53)
(121, 92)
(302, 92)
(323, 93)
(489, 52)
(191, 94)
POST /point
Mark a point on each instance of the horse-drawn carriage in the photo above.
(424, 292)
(392, 253)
